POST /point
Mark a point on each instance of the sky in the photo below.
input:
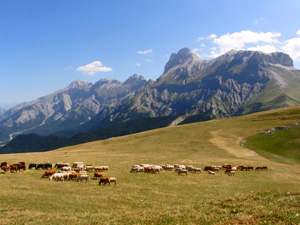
(47, 44)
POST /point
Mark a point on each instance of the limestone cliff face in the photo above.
(68, 108)
(221, 87)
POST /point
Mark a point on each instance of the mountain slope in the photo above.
(68, 108)
(229, 85)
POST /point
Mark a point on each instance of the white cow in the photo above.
(82, 177)
(57, 176)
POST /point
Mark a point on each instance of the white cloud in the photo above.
(263, 48)
(144, 52)
(212, 36)
(292, 47)
(298, 32)
(200, 38)
(93, 68)
(238, 40)
(138, 64)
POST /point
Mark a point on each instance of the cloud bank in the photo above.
(93, 68)
(249, 40)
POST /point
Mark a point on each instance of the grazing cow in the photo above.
(195, 170)
(40, 166)
(226, 166)
(57, 177)
(20, 166)
(101, 168)
(258, 168)
(228, 170)
(97, 174)
(250, 168)
(137, 168)
(104, 180)
(60, 165)
(113, 180)
(89, 168)
(77, 169)
(231, 173)
(48, 166)
(73, 176)
(264, 167)
(207, 168)
(5, 168)
(48, 173)
(182, 171)
(32, 165)
(168, 167)
(82, 177)
(14, 168)
(211, 172)
(3, 164)
(66, 168)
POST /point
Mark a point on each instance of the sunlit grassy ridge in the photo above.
(164, 198)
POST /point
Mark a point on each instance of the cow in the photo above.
(57, 177)
(20, 166)
(97, 174)
(226, 166)
(195, 170)
(228, 170)
(104, 180)
(211, 172)
(5, 168)
(258, 168)
(101, 168)
(66, 168)
(113, 180)
(73, 176)
(89, 168)
(60, 165)
(207, 168)
(182, 171)
(48, 173)
(3, 164)
(32, 165)
(264, 168)
(82, 177)
(76, 169)
(232, 172)
(14, 168)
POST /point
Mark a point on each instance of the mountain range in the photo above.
(190, 89)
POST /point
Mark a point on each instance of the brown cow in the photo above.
(5, 168)
(264, 167)
(104, 180)
(73, 176)
(14, 168)
(97, 174)
(3, 164)
(48, 173)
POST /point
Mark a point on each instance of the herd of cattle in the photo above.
(80, 172)
(182, 169)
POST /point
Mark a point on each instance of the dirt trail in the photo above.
(231, 143)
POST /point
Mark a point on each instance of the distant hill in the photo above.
(37, 143)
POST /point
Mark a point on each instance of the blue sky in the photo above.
(47, 44)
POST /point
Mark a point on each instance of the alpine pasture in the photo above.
(249, 197)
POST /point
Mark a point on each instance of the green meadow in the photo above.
(248, 197)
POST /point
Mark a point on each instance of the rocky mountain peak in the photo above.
(78, 84)
(134, 79)
(183, 56)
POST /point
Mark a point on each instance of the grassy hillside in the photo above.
(269, 197)
(282, 145)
